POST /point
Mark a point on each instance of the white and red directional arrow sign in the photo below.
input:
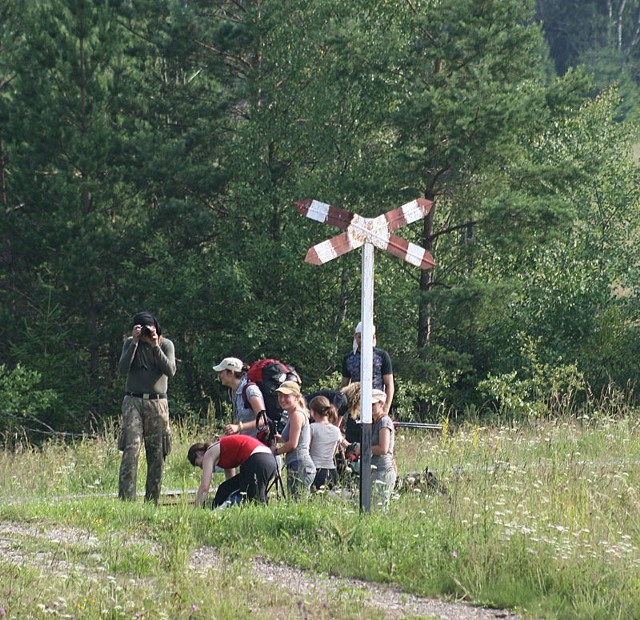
(360, 230)
(367, 232)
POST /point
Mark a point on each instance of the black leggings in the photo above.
(252, 481)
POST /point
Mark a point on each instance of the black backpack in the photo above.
(268, 374)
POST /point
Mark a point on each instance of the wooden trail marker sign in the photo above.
(368, 232)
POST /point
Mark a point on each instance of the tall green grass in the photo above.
(542, 518)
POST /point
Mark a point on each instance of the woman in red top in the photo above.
(256, 461)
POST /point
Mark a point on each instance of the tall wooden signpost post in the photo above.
(367, 232)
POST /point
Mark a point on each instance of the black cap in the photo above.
(146, 318)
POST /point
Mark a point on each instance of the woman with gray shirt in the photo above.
(325, 438)
(295, 440)
(383, 466)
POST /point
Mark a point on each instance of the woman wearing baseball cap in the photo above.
(383, 467)
(246, 398)
(295, 438)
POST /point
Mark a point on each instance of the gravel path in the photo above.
(394, 603)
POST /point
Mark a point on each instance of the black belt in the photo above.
(147, 396)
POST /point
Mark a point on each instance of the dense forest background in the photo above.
(151, 152)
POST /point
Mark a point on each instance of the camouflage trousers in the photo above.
(148, 420)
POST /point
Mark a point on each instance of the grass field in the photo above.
(543, 519)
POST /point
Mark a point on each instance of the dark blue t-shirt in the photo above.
(335, 397)
(381, 367)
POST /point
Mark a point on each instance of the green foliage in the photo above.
(601, 36)
(152, 152)
(424, 402)
(542, 390)
(22, 401)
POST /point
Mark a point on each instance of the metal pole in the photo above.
(366, 373)
(400, 424)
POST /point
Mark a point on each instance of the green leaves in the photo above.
(22, 399)
(152, 153)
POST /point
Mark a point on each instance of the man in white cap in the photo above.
(382, 375)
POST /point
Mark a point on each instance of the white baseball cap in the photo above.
(358, 330)
(229, 363)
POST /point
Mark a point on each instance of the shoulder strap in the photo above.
(245, 400)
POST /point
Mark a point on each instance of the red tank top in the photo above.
(236, 449)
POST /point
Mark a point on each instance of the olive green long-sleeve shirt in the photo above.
(147, 368)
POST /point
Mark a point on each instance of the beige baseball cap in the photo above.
(289, 387)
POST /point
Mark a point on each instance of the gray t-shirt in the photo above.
(324, 439)
(384, 461)
(301, 453)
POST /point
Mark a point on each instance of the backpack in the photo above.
(268, 374)
(266, 428)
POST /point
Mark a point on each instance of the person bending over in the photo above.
(255, 460)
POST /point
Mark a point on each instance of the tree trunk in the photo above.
(6, 245)
(86, 200)
(427, 277)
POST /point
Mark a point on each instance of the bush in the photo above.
(21, 402)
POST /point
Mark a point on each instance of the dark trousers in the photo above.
(326, 478)
(252, 481)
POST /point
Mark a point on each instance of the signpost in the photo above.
(367, 232)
